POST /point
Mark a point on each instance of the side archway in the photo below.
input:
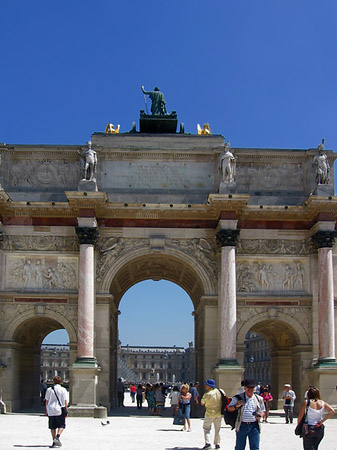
(25, 335)
(289, 339)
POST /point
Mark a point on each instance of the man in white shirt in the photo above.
(289, 398)
(250, 410)
(56, 399)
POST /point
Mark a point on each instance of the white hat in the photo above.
(287, 385)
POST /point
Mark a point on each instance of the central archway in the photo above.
(181, 269)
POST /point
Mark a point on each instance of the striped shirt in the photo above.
(249, 408)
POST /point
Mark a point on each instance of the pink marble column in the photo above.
(86, 294)
(227, 297)
(326, 327)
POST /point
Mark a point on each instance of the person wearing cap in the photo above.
(212, 401)
(250, 410)
(289, 397)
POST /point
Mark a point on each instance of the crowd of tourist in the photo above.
(251, 405)
(156, 396)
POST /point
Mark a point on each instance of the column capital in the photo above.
(324, 238)
(227, 238)
(87, 235)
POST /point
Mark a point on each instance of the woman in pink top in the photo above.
(315, 418)
(267, 399)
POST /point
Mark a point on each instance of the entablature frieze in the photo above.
(249, 216)
(277, 301)
(19, 297)
(46, 243)
(274, 246)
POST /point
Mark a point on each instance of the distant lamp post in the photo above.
(165, 367)
(54, 361)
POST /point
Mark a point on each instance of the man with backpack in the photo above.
(250, 409)
(212, 400)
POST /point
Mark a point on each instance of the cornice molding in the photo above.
(216, 205)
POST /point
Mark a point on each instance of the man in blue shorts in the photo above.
(56, 398)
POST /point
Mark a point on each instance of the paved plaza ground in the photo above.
(131, 429)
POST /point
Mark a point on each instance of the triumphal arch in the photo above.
(248, 233)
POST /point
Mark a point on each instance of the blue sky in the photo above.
(152, 313)
(262, 73)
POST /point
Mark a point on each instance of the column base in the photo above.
(228, 376)
(228, 362)
(86, 362)
(326, 362)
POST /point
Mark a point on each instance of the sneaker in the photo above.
(57, 443)
(217, 446)
(206, 446)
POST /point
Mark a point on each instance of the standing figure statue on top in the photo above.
(227, 165)
(322, 165)
(158, 107)
(89, 163)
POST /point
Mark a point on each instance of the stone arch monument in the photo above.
(248, 233)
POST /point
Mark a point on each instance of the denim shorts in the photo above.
(187, 411)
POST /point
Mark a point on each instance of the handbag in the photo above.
(302, 427)
(64, 411)
(178, 420)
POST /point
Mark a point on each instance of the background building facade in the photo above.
(257, 358)
(157, 364)
(54, 361)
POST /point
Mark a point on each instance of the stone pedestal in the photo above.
(87, 186)
(228, 378)
(323, 190)
(83, 379)
(149, 123)
(325, 379)
(227, 188)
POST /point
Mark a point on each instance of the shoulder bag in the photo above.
(64, 411)
(302, 427)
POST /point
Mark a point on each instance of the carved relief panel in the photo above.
(43, 173)
(45, 273)
(268, 275)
